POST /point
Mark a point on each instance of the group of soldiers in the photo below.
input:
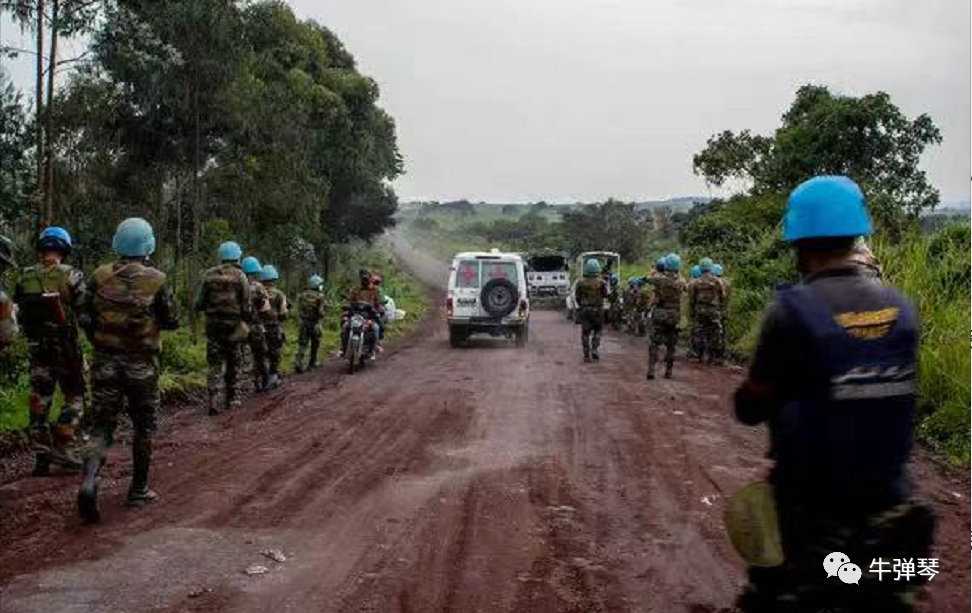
(122, 309)
(654, 302)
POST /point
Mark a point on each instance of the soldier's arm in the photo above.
(284, 309)
(78, 290)
(246, 299)
(166, 309)
(86, 314)
(763, 392)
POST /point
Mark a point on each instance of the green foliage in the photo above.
(16, 171)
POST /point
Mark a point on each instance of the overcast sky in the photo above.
(564, 100)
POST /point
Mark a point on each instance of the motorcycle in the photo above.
(360, 326)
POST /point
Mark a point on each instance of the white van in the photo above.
(487, 295)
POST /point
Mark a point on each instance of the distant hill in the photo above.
(681, 203)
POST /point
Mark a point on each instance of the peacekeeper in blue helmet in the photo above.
(834, 379)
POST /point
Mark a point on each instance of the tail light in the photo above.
(449, 306)
(523, 309)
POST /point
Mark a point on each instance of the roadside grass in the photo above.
(183, 358)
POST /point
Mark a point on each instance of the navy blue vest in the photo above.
(848, 434)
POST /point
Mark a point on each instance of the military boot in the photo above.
(273, 382)
(139, 493)
(651, 371)
(668, 370)
(88, 494)
(64, 459)
(42, 464)
(212, 403)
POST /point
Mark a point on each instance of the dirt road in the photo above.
(479, 479)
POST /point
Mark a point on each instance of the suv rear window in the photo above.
(500, 270)
(548, 263)
(467, 273)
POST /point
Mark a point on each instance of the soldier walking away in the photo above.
(834, 379)
(273, 324)
(224, 295)
(8, 318)
(666, 314)
(128, 304)
(695, 336)
(717, 272)
(260, 313)
(590, 294)
(49, 298)
(705, 311)
(310, 311)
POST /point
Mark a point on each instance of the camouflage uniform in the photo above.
(590, 295)
(257, 341)
(129, 303)
(225, 298)
(273, 324)
(50, 299)
(706, 302)
(665, 317)
(310, 310)
(726, 294)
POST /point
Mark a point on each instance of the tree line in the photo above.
(213, 119)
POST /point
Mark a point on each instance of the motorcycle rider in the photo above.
(310, 311)
(590, 294)
(224, 296)
(50, 296)
(834, 379)
(364, 297)
(8, 315)
(128, 304)
(261, 312)
(273, 322)
(666, 314)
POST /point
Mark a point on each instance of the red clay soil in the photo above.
(486, 478)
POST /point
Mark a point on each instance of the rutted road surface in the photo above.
(486, 478)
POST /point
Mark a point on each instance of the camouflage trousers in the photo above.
(120, 383)
(801, 585)
(223, 358)
(664, 333)
(55, 362)
(259, 366)
(707, 335)
(275, 341)
(309, 333)
(592, 323)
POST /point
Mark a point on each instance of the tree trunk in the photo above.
(38, 122)
(49, 117)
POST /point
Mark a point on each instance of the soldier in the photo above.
(310, 310)
(364, 295)
(705, 311)
(128, 304)
(261, 312)
(717, 272)
(695, 344)
(8, 317)
(666, 314)
(49, 297)
(224, 296)
(273, 325)
(834, 378)
(590, 294)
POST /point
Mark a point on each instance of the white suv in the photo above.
(487, 295)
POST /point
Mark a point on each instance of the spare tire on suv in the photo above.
(499, 297)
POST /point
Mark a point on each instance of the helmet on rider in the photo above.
(828, 206)
(56, 239)
(592, 268)
(315, 282)
(696, 271)
(6, 253)
(673, 262)
(134, 238)
(717, 270)
(230, 251)
(660, 265)
(705, 265)
(251, 265)
(269, 273)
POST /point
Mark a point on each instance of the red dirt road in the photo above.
(479, 479)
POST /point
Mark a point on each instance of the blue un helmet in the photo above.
(592, 267)
(54, 238)
(230, 252)
(828, 206)
(717, 270)
(315, 282)
(696, 271)
(269, 273)
(705, 265)
(673, 262)
(134, 238)
(251, 265)
(660, 264)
